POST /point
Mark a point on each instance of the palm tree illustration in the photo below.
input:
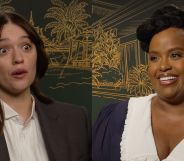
(139, 83)
(106, 51)
(68, 21)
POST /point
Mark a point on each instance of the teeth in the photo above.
(167, 78)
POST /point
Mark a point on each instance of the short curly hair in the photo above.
(161, 19)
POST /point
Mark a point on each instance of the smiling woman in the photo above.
(150, 127)
(166, 64)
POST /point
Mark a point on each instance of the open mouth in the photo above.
(167, 78)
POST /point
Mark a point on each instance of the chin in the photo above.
(20, 88)
(167, 95)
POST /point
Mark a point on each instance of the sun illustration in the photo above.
(138, 81)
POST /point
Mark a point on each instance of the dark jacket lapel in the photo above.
(4, 155)
(52, 127)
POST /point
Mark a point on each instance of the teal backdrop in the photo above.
(94, 56)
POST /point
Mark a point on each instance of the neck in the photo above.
(172, 108)
(21, 103)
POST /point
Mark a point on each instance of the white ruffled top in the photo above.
(137, 142)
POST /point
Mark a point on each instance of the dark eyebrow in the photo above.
(182, 49)
(22, 37)
(5, 39)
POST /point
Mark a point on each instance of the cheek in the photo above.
(179, 67)
(151, 70)
(33, 63)
(34, 68)
(4, 68)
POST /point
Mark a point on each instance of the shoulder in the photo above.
(142, 99)
(114, 107)
(112, 110)
(66, 107)
(72, 111)
(69, 122)
(61, 106)
(75, 117)
(66, 111)
(107, 131)
(110, 117)
(139, 104)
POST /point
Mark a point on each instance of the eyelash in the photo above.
(1, 50)
(27, 45)
(153, 58)
(175, 55)
(172, 55)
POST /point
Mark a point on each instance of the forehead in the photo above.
(168, 38)
(12, 31)
(169, 32)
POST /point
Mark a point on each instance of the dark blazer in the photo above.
(65, 131)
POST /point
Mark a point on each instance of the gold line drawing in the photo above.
(70, 43)
(107, 47)
(105, 54)
(4, 5)
(68, 25)
(127, 77)
(138, 81)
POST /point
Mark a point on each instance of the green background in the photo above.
(99, 84)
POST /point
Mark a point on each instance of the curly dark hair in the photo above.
(161, 19)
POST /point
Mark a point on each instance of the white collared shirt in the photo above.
(137, 140)
(24, 139)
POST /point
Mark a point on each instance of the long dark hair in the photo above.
(42, 59)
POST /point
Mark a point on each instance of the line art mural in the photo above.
(94, 56)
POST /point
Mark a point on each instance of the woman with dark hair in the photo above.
(149, 128)
(34, 127)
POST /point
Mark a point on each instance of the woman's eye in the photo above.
(3, 50)
(27, 47)
(153, 58)
(175, 55)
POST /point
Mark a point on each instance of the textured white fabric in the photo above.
(137, 142)
(24, 139)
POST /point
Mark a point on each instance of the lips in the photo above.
(167, 79)
(19, 73)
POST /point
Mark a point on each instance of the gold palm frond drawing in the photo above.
(106, 53)
(106, 48)
(69, 21)
(138, 81)
(4, 5)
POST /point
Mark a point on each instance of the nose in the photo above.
(165, 65)
(17, 57)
